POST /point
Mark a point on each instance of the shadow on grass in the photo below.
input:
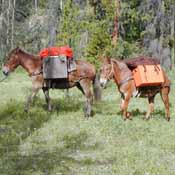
(68, 104)
(138, 113)
(15, 125)
(105, 108)
(47, 161)
(156, 112)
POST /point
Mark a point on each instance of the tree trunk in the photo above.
(13, 20)
(8, 24)
(159, 28)
(61, 5)
(36, 5)
(53, 18)
(115, 31)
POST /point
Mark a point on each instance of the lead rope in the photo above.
(3, 79)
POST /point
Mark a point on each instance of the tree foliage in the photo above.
(88, 26)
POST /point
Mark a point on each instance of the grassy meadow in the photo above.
(63, 142)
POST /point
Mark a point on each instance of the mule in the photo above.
(122, 75)
(83, 77)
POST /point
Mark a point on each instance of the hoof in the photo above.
(87, 113)
(168, 119)
(125, 118)
(87, 116)
(26, 110)
(92, 114)
(146, 118)
(49, 110)
(128, 116)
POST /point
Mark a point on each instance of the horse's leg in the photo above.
(165, 98)
(124, 106)
(30, 98)
(47, 98)
(151, 107)
(86, 87)
(37, 84)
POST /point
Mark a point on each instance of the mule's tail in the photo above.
(97, 88)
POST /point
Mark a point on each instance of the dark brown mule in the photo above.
(122, 75)
(82, 77)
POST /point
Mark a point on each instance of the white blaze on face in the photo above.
(103, 81)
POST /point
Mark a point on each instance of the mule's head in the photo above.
(106, 72)
(12, 62)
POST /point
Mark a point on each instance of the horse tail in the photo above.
(97, 88)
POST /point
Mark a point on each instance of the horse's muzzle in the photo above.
(103, 82)
(5, 71)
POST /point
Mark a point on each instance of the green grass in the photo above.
(65, 143)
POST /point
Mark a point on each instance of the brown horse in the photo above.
(122, 75)
(82, 78)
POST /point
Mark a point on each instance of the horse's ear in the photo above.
(107, 60)
(17, 49)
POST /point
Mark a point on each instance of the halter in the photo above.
(111, 74)
(16, 56)
(37, 72)
(121, 82)
(126, 80)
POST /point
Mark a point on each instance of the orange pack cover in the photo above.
(56, 51)
(148, 75)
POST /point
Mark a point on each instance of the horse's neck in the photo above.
(121, 71)
(29, 62)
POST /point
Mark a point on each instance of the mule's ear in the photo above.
(107, 60)
(17, 49)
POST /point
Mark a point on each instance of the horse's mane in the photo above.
(120, 63)
(20, 51)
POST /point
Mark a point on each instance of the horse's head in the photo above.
(12, 61)
(106, 72)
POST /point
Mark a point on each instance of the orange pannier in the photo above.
(148, 75)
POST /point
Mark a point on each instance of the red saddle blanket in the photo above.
(56, 51)
(142, 60)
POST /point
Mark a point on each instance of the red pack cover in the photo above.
(56, 51)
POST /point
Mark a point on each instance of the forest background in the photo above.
(119, 28)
